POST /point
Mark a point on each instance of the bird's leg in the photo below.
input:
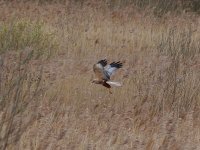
(110, 91)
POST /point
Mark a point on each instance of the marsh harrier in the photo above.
(103, 73)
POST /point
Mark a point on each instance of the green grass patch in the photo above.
(20, 35)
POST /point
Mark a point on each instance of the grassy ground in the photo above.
(48, 102)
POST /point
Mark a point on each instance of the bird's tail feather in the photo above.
(116, 84)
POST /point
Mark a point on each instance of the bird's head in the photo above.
(96, 81)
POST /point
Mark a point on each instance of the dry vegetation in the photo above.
(47, 50)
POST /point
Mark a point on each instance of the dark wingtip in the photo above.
(103, 62)
(116, 64)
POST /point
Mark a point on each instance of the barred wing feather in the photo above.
(110, 69)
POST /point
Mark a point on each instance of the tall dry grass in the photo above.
(51, 104)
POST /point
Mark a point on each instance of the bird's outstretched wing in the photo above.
(110, 69)
(103, 62)
(98, 69)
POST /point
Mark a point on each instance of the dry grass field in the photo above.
(47, 100)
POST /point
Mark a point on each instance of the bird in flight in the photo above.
(104, 72)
